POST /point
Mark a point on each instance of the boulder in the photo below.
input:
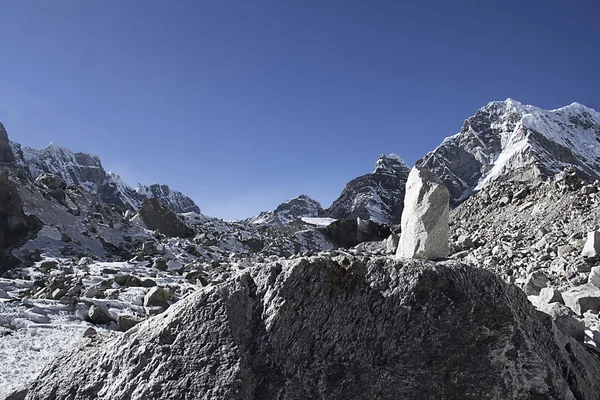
(316, 329)
(594, 277)
(6, 154)
(158, 216)
(126, 322)
(592, 245)
(99, 314)
(425, 217)
(15, 227)
(348, 233)
(535, 282)
(391, 243)
(550, 295)
(582, 298)
(51, 181)
(157, 296)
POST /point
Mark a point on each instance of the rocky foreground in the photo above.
(336, 329)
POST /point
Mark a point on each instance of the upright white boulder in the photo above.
(425, 217)
(592, 245)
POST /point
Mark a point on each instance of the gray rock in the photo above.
(571, 326)
(158, 216)
(594, 277)
(157, 296)
(351, 232)
(6, 154)
(465, 242)
(592, 245)
(391, 329)
(550, 295)
(99, 314)
(425, 217)
(391, 243)
(582, 298)
(535, 282)
(18, 395)
(126, 322)
(150, 248)
(51, 181)
(160, 264)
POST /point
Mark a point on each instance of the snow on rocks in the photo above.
(425, 217)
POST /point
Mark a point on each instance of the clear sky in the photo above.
(242, 104)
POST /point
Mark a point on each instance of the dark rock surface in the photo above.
(6, 154)
(158, 216)
(313, 328)
(15, 226)
(350, 232)
(378, 196)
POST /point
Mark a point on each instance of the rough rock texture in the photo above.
(507, 140)
(15, 226)
(176, 201)
(350, 232)
(390, 329)
(158, 216)
(425, 217)
(6, 154)
(378, 196)
(592, 245)
(290, 211)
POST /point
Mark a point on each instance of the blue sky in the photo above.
(244, 104)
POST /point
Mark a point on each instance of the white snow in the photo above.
(321, 222)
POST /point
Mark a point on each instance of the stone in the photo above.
(157, 216)
(465, 242)
(391, 243)
(6, 154)
(51, 181)
(99, 314)
(425, 217)
(535, 282)
(348, 233)
(550, 295)
(592, 245)
(90, 332)
(160, 264)
(157, 296)
(571, 326)
(150, 248)
(582, 298)
(20, 394)
(314, 329)
(3, 294)
(594, 277)
(126, 322)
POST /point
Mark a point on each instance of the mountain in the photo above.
(507, 140)
(83, 169)
(378, 196)
(290, 211)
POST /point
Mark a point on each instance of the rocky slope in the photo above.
(82, 169)
(377, 196)
(316, 328)
(508, 140)
(290, 211)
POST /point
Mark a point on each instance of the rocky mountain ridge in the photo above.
(289, 211)
(86, 170)
(506, 140)
(377, 196)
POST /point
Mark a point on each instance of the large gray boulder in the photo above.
(6, 154)
(425, 217)
(316, 329)
(157, 216)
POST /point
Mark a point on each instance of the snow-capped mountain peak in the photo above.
(86, 170)
(509, 140)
